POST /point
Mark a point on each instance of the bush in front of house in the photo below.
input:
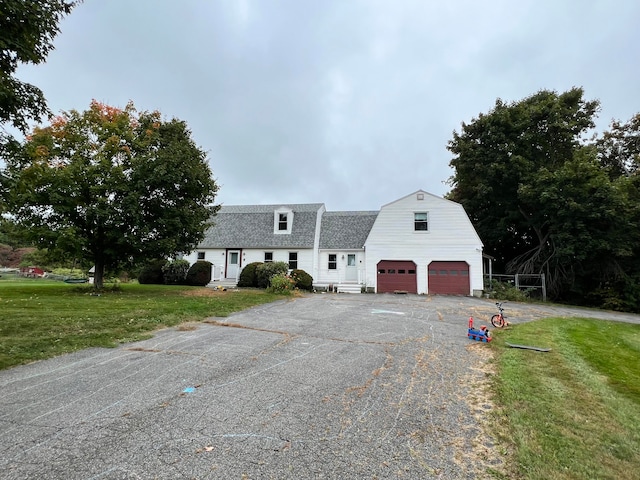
(303, 280)
(265, 271)
(248, 276)
(175, 272)
(281, 283)
(199, 274)
(151, 272)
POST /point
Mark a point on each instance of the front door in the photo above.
(351, 274)
(233, 263)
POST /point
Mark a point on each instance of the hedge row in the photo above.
(176, 272)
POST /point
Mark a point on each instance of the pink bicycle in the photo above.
(499, 320)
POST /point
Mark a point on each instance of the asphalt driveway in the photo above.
(326, 386)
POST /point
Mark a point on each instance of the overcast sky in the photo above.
(350, 103)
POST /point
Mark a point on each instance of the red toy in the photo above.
(481, 335)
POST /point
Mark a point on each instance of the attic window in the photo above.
(282, 222)
(421, 196)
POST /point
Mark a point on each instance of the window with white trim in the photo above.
(200, 255)
(293, 260)
(282, 221)
(421, 221)
(268, 257)
(333, 261)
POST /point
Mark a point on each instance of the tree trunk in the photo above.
(98, 274)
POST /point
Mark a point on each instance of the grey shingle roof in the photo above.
(251, 226)
(345, 230)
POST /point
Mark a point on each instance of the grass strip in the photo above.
(574, 412)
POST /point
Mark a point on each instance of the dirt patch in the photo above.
(490, 457)
(187, 327)
(204, 292)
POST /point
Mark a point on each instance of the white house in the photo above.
(420, 243)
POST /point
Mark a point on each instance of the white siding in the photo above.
(339, 275)
(218, 257)
(450, 237)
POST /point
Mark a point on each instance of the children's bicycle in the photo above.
(499, 320)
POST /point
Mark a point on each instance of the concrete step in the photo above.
(346, 288)
(224, 282)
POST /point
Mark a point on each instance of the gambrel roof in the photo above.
(251, 226)
(346, 230)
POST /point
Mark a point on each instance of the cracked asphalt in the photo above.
(323, 386)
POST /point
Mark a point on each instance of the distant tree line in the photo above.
(547, 198)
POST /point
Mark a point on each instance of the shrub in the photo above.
(507, 291)
(303, 280)
(248, 276)
(199, 274)
(265, 271)
(151, 273)
(281, 283)
(175, 272)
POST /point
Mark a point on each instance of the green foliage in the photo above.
(619, 148)
(49, 260)
(11, 234)
(265, 271)
(151, 273)
(506, 291)
(199, 274)
(27, 30)
(118, 186)
(248, 276)
(281, 283)
(69, 272)
(545, 201)
(302, 280)
(174, 272)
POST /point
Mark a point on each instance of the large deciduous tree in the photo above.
(27, 30)
(537, 193)
(111, 185)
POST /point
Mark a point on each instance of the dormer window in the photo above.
(282, 220)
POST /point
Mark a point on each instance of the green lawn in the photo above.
(40, 319)
(572, 413)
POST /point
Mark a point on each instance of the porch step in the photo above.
(224, 282)
(352, 288)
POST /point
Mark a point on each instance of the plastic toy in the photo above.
(481, 335)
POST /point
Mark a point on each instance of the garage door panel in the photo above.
(395, 275)
(448, 278)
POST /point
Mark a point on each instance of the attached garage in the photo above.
(449, 278)
(397, 275)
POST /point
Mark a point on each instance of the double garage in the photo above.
(443, 278)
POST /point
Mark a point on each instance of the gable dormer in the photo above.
(282, 221)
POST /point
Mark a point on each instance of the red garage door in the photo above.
(449, 278)
(394, 275)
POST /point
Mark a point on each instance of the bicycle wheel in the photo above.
(497, 321)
